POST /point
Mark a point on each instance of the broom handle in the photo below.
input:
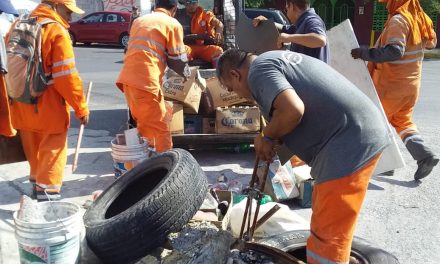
(80, 134)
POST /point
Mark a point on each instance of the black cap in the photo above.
(166, 3)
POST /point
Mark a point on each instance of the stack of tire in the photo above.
(137, 212)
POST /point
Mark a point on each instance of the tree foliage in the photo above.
(430, 6)
(259, 3)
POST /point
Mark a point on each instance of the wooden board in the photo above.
(342, 40)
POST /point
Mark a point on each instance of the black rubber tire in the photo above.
(294, 242)
(123, 39)
(138, 211)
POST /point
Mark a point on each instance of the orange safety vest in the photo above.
(65, 89)
(201, 22)
(154, 39)
(402, 76)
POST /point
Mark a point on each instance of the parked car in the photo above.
(101, 27)
(274, 14)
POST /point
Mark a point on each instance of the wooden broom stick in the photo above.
(81, 131)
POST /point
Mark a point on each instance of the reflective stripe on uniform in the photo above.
(150, 41)
(147, 49)
(64, 73)
(406, 131)
(322, 260)
(182, 57)
(411, 138)
(63, 62)
(47, 186)
(406, 61)
(177, 50)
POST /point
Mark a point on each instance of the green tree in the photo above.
(431, 6)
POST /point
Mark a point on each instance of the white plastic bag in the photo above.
(282, 221)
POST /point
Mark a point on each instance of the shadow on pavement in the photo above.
(387, 179)
(113, 121)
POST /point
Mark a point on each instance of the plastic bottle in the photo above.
(238, 198)
(236, 148)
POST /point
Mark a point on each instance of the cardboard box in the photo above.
(280, 181)
(236, 120)
(224, 223)
(193, 124)
(176, 122)
(206, 105)
(189, 92)
(208, 73)
(208, 125)
(219, 96)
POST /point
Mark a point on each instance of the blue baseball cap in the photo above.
(7, 7)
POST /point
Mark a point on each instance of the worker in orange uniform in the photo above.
(340, 135)
(203, 32)
(43, 128)
(156, 41)
(6, 128)
(395, 64)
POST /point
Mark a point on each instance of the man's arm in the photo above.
(287, 112)
(390, 52)
(177, 58)
(310, 40)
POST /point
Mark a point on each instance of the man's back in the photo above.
(341, 128)
(153, 38)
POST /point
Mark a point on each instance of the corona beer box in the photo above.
(175, 117)
(189, 92)
(236, 120)
(219, 96)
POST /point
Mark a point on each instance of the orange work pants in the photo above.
(209, 53)
(149, 111)
(335, 206)
(47, 157)
(6, 128)
(399, 109)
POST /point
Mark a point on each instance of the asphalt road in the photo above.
(398, 215)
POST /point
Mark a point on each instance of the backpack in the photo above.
(26, 79)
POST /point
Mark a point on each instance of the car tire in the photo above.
(295, 242)
(137, 212)
(72, 38)
(123, 39)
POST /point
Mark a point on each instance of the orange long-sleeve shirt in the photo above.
(66, 89)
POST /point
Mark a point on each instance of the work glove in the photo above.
(357, 53)
(84, 120)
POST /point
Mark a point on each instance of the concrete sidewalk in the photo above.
(94, 172)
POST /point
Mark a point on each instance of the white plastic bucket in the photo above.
(127, 157)
(55, 240)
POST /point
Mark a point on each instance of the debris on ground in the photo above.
(248, 257)
(199, 242)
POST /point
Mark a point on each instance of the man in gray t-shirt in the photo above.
(324, 120)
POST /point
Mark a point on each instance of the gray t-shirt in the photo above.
(341, 129)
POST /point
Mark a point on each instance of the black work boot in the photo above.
(425, 167)
(45, 196)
